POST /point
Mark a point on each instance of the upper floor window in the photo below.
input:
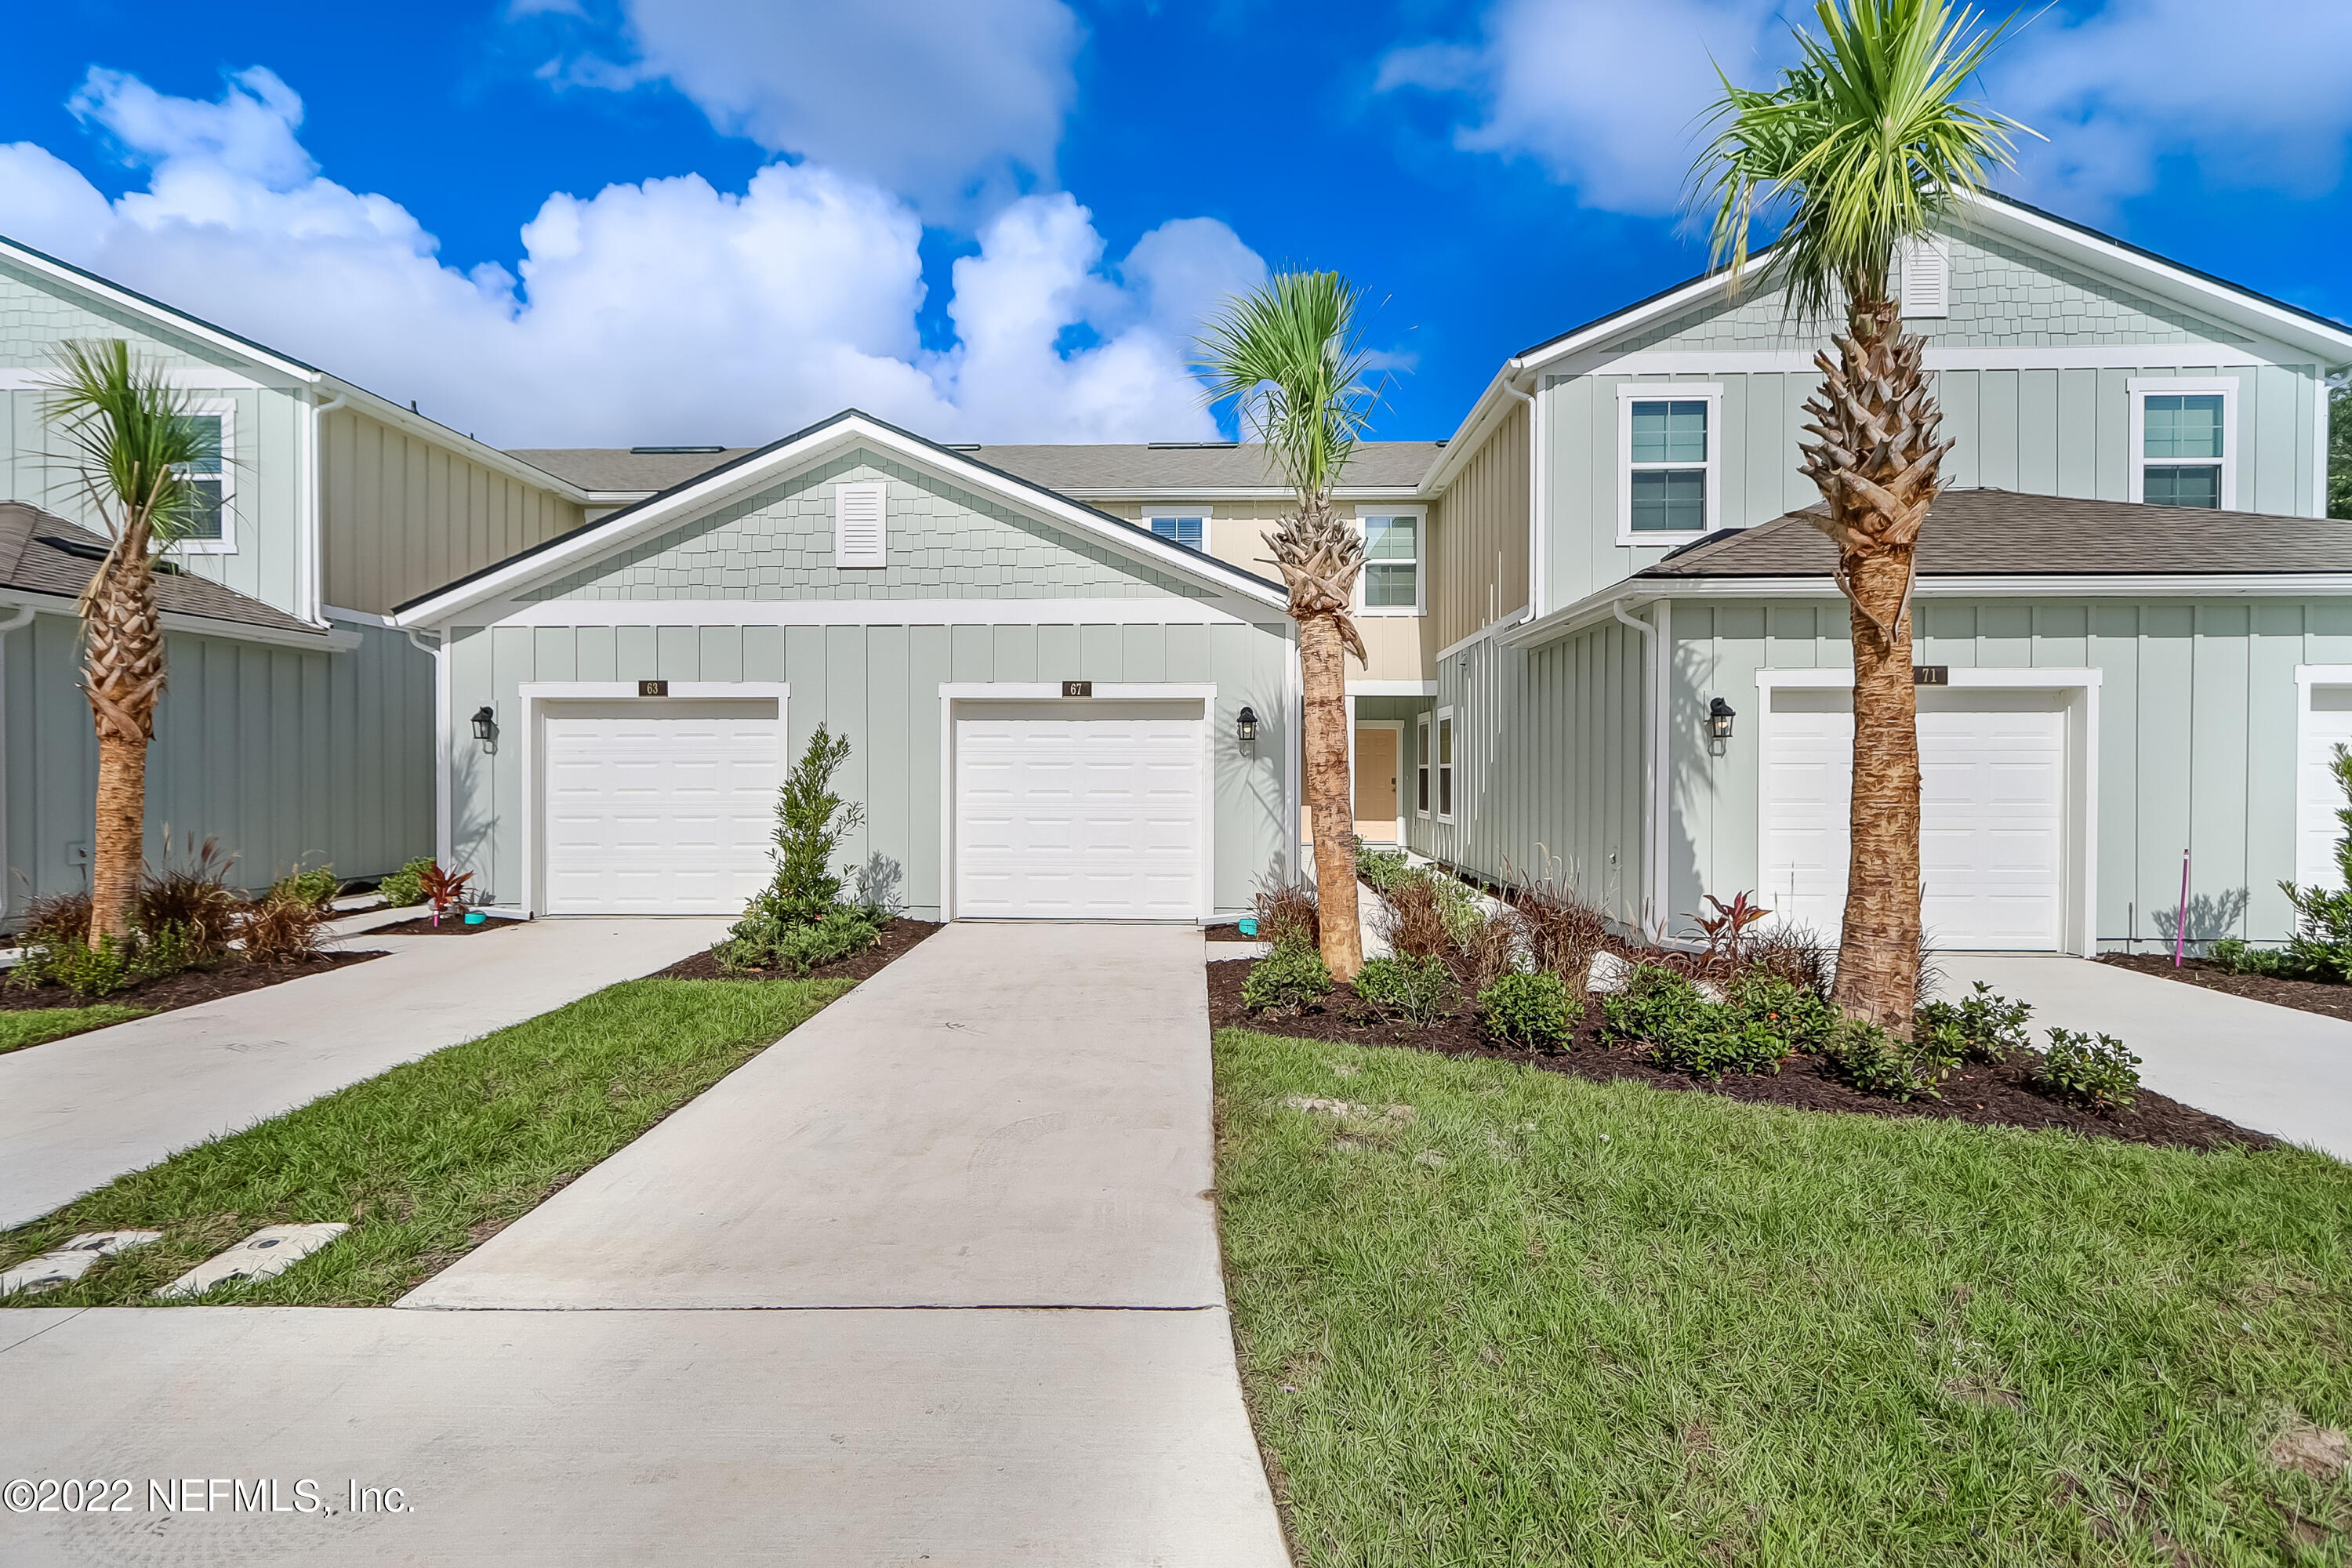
(209, 526)
(1191, 532)
(2182, 436)
(1393, 562)
(1667, 443)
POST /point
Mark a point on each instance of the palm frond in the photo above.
(1866, 142)
(134, 436)
(1291, 354)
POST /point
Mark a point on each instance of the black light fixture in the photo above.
(486, 726)
(1719, 715)
(1246, 729)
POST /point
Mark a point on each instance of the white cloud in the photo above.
(666, 311)
(956, 103)
(1608, 96)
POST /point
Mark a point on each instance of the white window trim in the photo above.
(224, 410)
(1419, 514)
(1207, 514)
(1443, 775)
(844, 557)
(1630, 393)
(1425, 766)
(2144, 386)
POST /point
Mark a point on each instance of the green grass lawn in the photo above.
(432, 1158)
(1548, 1321)
(37, 1026)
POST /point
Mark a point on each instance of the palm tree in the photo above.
(1866, 143)
(1289, 354)
(134, 441)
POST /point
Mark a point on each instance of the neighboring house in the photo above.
(2139, 666)
(1046, 703)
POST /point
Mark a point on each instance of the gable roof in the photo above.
(1140, 469)
(765, 464)
(44, 554)
(2009, 533)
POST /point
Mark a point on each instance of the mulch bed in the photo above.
(1985, 1095)
(893, 942)
(231, 979)
(2303, 995)
(451, 925)
(1227, 933)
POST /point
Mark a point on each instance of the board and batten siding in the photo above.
(1548, 766)
(401, 515)
(1478, 544)
(284, 755)
(877, 686)
(2196, 738)
(38, 464)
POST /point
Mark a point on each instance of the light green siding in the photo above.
(37, 465)
(943, 542)
(2196, 743)
(282, 754)
(879, 686)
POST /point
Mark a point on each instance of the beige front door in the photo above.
(1376, 785)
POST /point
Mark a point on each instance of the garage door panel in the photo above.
(1992, 793)
(1079, 817)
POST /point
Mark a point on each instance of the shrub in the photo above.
(192, 898)
(1421, 991)
(1801, 1019)
(1287, 914)
(1980, 1027)
(812, 825)
(1562, 931)
(1686, 1033)
(760, 940)
(2094, 1069)
(319, 884)
(170, 949)
(283, 928)
(405, 885)
(55, 918)
(89, 971)
(1876, 1062)
(1793, 953)
(1490, 949)
(1290, 978)
(1527, 1009)
(1381, 869)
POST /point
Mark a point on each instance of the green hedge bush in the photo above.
(1525, 1009)
(1286, 980)
(1421, 991)
(2094, 1069)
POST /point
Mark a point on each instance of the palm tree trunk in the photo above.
(1878, 949)
(1322, 662)
(123, 676)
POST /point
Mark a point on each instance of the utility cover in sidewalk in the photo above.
(54, 1270)
(268, 1252)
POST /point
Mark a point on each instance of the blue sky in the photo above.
(606, 221)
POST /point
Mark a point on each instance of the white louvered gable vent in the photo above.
(857, 523)
(1925, 270)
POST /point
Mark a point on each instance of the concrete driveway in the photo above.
(78, 1113)
(2275, 1069)
(934, 1280)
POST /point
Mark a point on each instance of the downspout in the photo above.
(312, 564)
(444, 755)
(23, 613)
(1539, 554)
(1653, 773)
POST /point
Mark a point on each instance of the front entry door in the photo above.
(1376, 785)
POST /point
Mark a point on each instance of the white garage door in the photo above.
(2318, 797)
(1098, 814)
(657, 808)
(1992, 813)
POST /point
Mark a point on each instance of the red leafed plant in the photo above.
(447, 892)
(1726, 928)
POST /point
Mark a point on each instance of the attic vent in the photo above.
(1924, 269)
(858, 513)
(669, 451)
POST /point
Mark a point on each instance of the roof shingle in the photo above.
(41, 554)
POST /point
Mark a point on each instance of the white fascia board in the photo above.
(2111, 585)
(696, 497)
(1572, 618)
(385, 411)
(2334, 343)
(1471, 434)
(1492, 628)
(178, 322)
(1157, 610)
(1392, 688)
(199, 625)
(1787, 362)
(1233, 492)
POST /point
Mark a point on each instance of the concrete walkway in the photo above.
(1007, 1131)
(78, 1113)
(2275, 1069)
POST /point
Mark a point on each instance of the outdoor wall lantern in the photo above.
(1245, 729)
(1719, 715)
(486, 726)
